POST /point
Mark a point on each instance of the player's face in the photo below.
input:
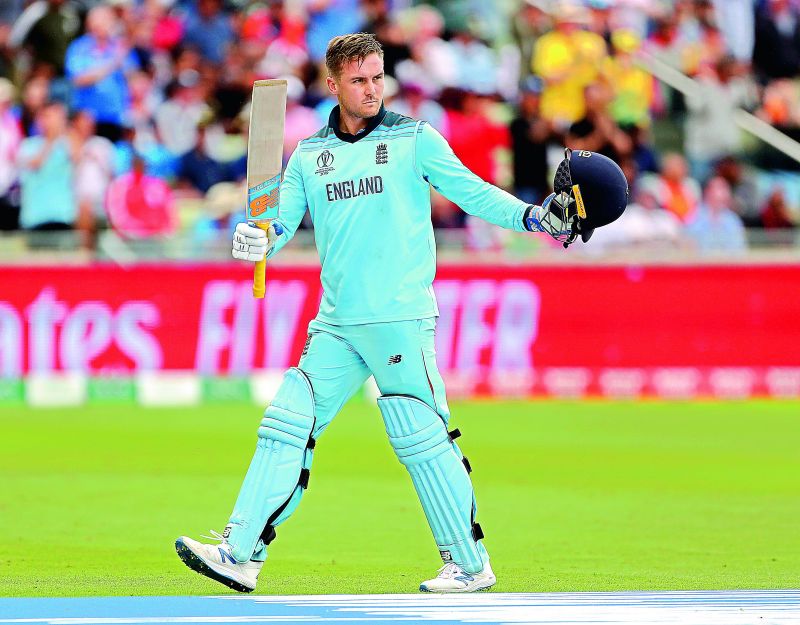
(359, 88)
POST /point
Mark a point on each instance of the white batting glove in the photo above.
(252, 243)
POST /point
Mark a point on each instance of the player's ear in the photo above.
(333, 88)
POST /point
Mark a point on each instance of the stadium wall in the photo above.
(182, 333)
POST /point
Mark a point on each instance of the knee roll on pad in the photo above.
(280, 467)
(421, 441)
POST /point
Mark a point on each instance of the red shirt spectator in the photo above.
(141, 206)
(475, 138)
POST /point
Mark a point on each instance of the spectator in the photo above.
(776, 213)
(395, 47)
(633, 86)
(527, 25)
(475, 63)
(661, 227)
(141, 206)
(283, 56)
(374, 13)
(97, 64)
(664, 39)
(94, 168)
(10, 140)
(200, 169)
(644, 225)
(7, 69)
(776, 53)
(715, 227)
(164, 28)
(412, 102)
(301, 121)
(145, 143)
(596, 130)
(744, 188)
(475, 137)
(711, 129)
(678, 193)
(222, 208)
(144, 100)
(208, 29)
(643, 151)
(327, 19)
(35, 95)
(199, 56)
(46, 168)
(600, 18)
(736, 20)
(177, 118)
(45, 29)
(433, 64)
(705, 43)
(780, 105)
(568, 58)
(530, 135)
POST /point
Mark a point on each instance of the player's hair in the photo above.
(346, 48)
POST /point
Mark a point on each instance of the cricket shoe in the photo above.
(452, 578)
(216, 562)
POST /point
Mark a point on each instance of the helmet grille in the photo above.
(563, 179)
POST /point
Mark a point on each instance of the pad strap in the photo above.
(280, 468)
(423, 445)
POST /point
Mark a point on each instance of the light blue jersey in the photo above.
(369, 197)
(47, 191)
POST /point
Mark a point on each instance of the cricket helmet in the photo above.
(590, 191)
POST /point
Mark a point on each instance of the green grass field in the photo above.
(572, 496)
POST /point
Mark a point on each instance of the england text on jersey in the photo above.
(354, 188)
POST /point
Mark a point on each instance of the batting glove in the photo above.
(252, 243)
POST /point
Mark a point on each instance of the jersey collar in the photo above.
(372, 124)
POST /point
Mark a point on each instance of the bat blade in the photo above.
(264, 160)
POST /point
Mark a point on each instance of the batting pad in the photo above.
(439, 474)
(279, 470)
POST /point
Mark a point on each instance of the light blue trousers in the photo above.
(335, 363)
(400, 354)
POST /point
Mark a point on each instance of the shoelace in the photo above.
(449, 571)
(215, 536)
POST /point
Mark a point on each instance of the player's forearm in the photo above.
(442, 169)
(490, 203)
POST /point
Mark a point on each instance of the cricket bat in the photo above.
(264, 156)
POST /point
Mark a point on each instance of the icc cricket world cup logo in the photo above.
(324, 163)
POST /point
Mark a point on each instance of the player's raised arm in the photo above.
(251, 243)
(439, 166)
(590, 191)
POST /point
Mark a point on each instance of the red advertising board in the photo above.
(504, 330)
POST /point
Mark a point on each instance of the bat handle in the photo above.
(260, 271)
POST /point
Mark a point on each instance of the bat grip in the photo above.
(260, 271)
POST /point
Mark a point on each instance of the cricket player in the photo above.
(365, 178)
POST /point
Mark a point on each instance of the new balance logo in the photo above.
(393, 360)
(224, 555)
(381, 154)
(446, 556)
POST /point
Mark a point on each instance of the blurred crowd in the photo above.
(121, 113)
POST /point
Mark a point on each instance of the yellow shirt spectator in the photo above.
(567, 59)
(633, 86)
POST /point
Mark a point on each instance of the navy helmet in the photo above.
(590, 191)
